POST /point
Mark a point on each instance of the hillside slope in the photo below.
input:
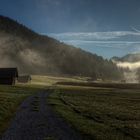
(37, 54)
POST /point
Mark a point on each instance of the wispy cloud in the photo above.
(107, 44)
(102, 39)
(94, 35)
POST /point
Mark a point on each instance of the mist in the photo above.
(130, 70)
(14, 52)
(131, 65)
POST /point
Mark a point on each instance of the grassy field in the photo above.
(10, 98)
(100, 84)
(101, 113)
(52, 80)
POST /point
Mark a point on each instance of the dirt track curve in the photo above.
(35, 120)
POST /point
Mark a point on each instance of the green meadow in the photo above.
(100, 113)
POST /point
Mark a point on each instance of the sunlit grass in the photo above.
(52, 80)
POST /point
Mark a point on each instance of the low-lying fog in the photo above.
(130, 69)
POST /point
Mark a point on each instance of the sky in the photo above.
(105, 27)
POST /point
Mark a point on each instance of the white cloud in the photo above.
(101, 39)
(107, 44)
(93, 35)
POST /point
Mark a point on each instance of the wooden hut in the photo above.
(8, 76)
(24, 78)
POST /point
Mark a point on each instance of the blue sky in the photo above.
(105, 27)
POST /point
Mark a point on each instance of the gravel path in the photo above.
(35, 120)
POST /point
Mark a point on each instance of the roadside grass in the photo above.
(10, 98)
(100, 113)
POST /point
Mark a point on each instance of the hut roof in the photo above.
(8, 72)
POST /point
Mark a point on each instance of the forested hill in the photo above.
(37, 54)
